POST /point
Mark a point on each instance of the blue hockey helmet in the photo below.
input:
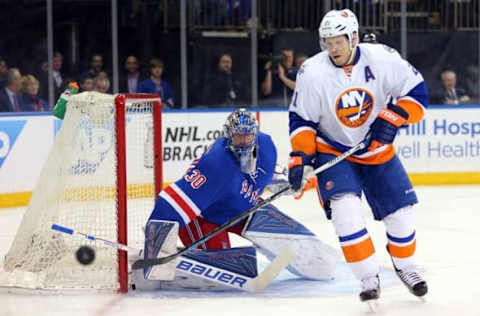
(241, 131)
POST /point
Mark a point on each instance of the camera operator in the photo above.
(279, 81)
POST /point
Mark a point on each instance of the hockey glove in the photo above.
(385, 127)
(300, 173)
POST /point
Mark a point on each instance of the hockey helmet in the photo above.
(336, 23)
(241, 131)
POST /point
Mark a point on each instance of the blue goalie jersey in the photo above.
(214, 186)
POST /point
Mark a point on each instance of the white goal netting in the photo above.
(78, 189)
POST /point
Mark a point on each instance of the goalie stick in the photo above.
(258, 283)
(144, 263)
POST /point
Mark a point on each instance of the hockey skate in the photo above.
(370, 291)
(413, 281)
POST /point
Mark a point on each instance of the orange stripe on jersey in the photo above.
(383, 156)
(349, 111)
(414, 110)
(304, 141)
(402, 252)
(358, 252)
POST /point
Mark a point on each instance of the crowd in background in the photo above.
(441, 42)
(223, 88)
(20, 92)
(26, 93)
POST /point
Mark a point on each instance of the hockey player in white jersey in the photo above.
(341, 99)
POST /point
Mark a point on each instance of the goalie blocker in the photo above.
(216, 266)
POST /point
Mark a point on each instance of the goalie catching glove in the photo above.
(385, 127)
(300, 173)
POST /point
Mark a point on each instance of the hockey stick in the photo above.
(143, 263)
(109, 243)
(264, 278)
(258, 283)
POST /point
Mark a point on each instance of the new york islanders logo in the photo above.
(353, 106)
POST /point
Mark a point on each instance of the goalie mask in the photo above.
(241, 131)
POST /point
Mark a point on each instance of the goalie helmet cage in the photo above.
(106, 159)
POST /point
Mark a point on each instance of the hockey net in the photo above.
(106, 160)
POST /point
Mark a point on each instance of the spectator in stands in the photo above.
(224, 89)
(3, 72)
(103, 75)
(96, 66)
(10, 94)
(57, 73)
(30, 100)
(155, 84)
(300, 59)
(279, 82)
(86, 84)
(130, 79)
(58, 76)
(101, 84)
(450, 94)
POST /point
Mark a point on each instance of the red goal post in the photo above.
(121, 102)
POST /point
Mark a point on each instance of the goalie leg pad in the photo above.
(210, 270)
(271, 231)
(160, 241)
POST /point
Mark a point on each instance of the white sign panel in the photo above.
(447, 140)
(24, 145)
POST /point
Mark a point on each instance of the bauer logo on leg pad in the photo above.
(213, 273)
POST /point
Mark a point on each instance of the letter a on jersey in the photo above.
(368, 74)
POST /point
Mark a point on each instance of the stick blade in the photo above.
(139, 264)
(281, 261)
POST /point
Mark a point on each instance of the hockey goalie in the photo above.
(224, 182)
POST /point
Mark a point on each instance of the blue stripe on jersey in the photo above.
(296, 121)
(419, 93)
(356, 235)
(401, 240)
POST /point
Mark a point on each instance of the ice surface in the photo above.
(448, 239)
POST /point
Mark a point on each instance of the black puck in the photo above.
(85, 255)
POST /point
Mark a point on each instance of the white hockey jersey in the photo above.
(333, 107)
